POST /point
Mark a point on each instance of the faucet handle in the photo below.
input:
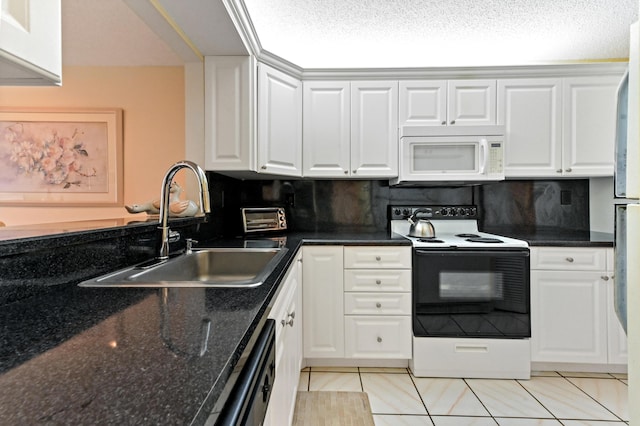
(190, 242)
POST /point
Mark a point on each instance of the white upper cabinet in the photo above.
(423, 103)
(471, 102)
(557, 127)
(374, 128)
(279, 122)
(530, 110)
(326, 129)
(589, 125)
(447, 102)
(350, 129)
(229, 113)
(30, 42)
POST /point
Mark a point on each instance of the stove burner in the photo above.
(468, 235)
(429, 240)
(484, 240)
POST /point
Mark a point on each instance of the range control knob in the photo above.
(396, 212)
(406, 212)
(463, 212)
(444, 211)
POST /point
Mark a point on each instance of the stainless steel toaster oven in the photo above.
(263, 219)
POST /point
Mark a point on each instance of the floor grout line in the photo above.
(489, 413)
(594, 399)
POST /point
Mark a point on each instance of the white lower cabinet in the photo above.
(357, 302)
(323, 301)
(381, 336)
(572, 318)
(377, 302)
(287, 311)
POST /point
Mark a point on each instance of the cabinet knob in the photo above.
(285, 323)
(569, 259)
(378, 282)
(378, 258)
(568, 170)
(605, 278)
(453, 122)
(378, 305)
(379, 339)
(264, 167)
(559, 171)
(444, 123)
(346, 172)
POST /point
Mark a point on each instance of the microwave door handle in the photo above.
(483, 155)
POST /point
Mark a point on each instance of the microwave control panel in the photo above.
(496, 158)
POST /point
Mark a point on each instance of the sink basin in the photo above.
(210, 267)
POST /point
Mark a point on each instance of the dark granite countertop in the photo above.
(132, 356)
(556, 236)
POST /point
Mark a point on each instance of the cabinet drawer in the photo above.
(377, 280)
(378, 337)
(568, 258)
(377, 303)
(380, 257)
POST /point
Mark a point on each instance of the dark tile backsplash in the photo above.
(361, 205)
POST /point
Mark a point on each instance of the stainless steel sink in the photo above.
(210, 267)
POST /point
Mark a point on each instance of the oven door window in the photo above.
(470, 286)
(473, 293)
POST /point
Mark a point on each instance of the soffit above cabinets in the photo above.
(109, 33)
(436, 33)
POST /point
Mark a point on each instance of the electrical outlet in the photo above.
(290, 200)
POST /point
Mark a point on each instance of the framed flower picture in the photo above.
(61, 157)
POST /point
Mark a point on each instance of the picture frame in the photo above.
(71, 157)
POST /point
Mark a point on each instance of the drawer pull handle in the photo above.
(378, 258)
(378, 305)
(605, 278)
(472, 348)
(379, 339)
(570, 259)
(378, 282)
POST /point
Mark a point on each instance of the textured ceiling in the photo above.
(416, 33)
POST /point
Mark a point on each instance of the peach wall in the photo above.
(153, 104)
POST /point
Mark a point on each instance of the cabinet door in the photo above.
(530, 110)
(326, 129)
(30, 42)
(423, 103)
(471, 102)
(568, 317)
(286, 311)
(589, 125)
(229, 119)
(374, 128)
(279, 122)
(323, 302)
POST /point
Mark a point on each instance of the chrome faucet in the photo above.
(205, 205)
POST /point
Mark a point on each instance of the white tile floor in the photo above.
(549, 399)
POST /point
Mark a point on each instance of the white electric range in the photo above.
(470, 296)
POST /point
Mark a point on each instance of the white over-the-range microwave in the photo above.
(450, 154)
